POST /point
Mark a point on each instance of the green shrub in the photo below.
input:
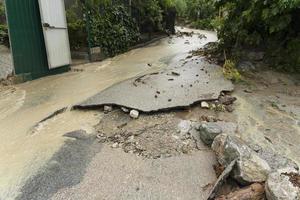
(230, 72)
(76, 27)
(203, 24)
(3, 26)
(270, 25)
(113, 30)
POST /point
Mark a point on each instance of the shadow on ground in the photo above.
(65, 168)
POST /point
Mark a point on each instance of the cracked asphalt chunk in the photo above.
(184, 90)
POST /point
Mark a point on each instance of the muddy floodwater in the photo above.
(26, 144)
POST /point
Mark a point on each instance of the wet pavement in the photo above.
(26, 151)
(40, 161)
(177, 86)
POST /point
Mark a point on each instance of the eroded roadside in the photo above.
(160, 155)
(27, 146)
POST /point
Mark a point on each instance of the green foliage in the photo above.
(3, 26)
(76, 27)
(113, 29)
(203, 24)
(149, 14)
(200, 14)
(272, 24)
(181, 7)
(200, 9)
(230, 72)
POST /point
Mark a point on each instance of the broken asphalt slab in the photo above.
(182, 85)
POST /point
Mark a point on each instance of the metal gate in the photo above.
(27, 40)
(55, 32)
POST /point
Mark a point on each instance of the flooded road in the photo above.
(24, 149)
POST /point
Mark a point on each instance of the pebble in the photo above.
(134, 114)
(108, 108)
(204, 104)
(115, 145)
(126, 110)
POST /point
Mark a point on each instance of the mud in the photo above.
(22, 107)
(151, 136)
(269, 115)
(266, 111)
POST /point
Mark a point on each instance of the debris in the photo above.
(213, 106)
(108, 109)
(126, 110)
(134, 114)
(251, 169)
(149, 64)
(229, 108)
(175, 73)
(184, 126)
(248, 91)
(227, 100)
(255, 191)
(132, 93)
(294, 178)
(208, 132)
(280, 187)
(204, 104)
(152, 136)
(221, 180)
(229, 147)
(115, 145)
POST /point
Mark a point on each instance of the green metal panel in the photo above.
(27, 40)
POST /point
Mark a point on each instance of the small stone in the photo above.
(208, 132)
(229, 108)
(251, 169)
(134, 114)
(131, 138)
(126, 110)
(211, 119)
(115, 145)
(184, 126)
(279, 186)
(108, 108)
(204, 104)
(227, 100)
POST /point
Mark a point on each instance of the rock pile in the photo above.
(250, 166)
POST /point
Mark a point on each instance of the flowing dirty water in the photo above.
(268, 115)
(26, 147)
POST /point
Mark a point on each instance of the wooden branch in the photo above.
(255, 191)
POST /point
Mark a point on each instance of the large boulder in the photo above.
(281, 186)
(229, 147)
(249, 168)
(208, 131)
